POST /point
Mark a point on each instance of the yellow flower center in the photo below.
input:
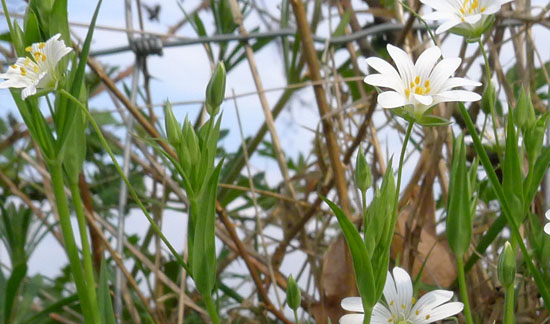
(469, 7)
(419, 88)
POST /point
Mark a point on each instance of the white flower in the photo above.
(421, 85)
(547, 226)
(401, 306)
(468, 14)
(37, 71)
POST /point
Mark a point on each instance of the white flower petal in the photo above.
(382, 67)
(390, 293)
(447, 25)
(352, 304)
(438, 15)
(438, 5)
(28, 91)
(472, 19)
(445, 311)
(381, 80)
(352, 319)
(426, 62)
(547, 214)
(492, 9)
(547, 228)
(442, 71)
(458, 82)
(403, 62)
(404, 287)
(458, 95)
(380, 314)
(424, 100)
(392, 99)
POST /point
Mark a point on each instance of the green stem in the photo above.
(131, 190)
(510, 219)
(491, 101)
(297, 319)
(368, 314)
(211, 308)
(401, 159)
(463, 290)
(86, 255)
(8, 19)
(84, 291)
(509, 305)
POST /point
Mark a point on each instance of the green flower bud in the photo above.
(171, 124)
(293, 294)
(507, 265)
(363, 176)
(191, 141)
(525, 112)
(215, 91)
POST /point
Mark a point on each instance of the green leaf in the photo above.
(59, 22)
(106, 315)
(66, 114)
(32, 32)
(344, 21)
(12, 288)
(204, 249)
(361, 261)
(511, 170)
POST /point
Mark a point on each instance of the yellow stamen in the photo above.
(390, 320)
(35, 69)
(427, 90)
(23, 71)
(428, 316)
(419, 91)
(27, 61)
(41, 45)
(28, 49)
(462, 11)
(413, 300)
(403, 306)
(13, 66)
(43, 57)
(483, 9)
(37, 55)
(408, 93)
(427, 85)
(412, 84)
(417, 312)
(391, 303)
(417, 80)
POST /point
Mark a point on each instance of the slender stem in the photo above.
(133, 193)
(8, 19)
(463, 290)
(86, 255)
(89, 307)
(367, 315)
(298, 320)
(491, 101)
(509, 305)
(211, 308)
(432, 36)
(514, 228)
(365, 216)
(401, 159)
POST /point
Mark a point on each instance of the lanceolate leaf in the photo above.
(361, 260)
